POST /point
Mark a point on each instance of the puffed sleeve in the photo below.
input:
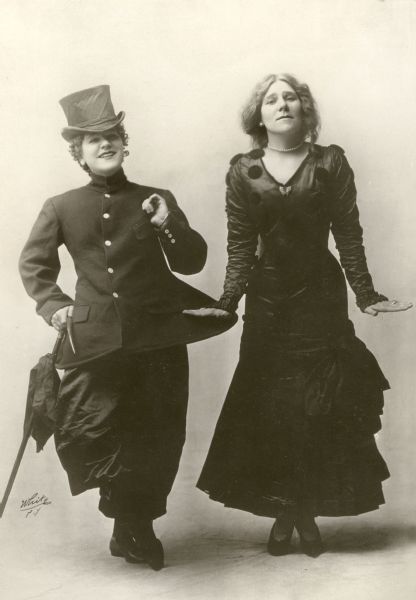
(241, 241)
(347, 231)
(185, 248)
(39, 263)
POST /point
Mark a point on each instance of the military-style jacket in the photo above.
(126, 295)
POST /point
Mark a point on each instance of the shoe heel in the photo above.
(155, 556)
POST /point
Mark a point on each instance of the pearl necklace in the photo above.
(286, 149)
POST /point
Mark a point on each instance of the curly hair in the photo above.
(75, 145)
(251, 112)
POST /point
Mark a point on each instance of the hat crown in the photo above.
(89, 110)
(88, 107)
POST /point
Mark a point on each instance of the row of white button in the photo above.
(108, 243)
(106, 214)
(170, 236)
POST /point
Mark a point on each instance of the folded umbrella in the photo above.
(40, 412)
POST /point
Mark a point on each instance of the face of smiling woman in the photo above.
(281, 112)
(102, 152)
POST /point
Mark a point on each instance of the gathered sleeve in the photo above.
(39, 264)
(241, 241)
(347, 231)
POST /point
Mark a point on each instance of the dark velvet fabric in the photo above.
(298, 423)
(293, 222)
(121, 427)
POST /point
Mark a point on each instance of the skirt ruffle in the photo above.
(298, 426)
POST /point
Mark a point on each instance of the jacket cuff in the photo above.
(369, 298)
(170, 230)
(51, 306)
(228, 303)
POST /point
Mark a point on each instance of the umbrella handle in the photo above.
(58, 343)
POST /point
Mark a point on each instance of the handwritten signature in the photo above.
(32, 505)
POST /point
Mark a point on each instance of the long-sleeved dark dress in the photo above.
(298, 423)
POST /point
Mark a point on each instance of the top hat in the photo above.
(89, 111)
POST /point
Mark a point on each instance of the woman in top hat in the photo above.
(295, 438)
(123, 397)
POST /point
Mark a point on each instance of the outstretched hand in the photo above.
(387, 306)
(208, 312)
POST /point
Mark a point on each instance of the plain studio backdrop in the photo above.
(181, 69)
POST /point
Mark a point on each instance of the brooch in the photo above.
(285, 190)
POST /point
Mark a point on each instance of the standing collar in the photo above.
(111, 184)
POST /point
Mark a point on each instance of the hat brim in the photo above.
(68, 133)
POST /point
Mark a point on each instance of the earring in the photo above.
(126, 153)
(261, 124)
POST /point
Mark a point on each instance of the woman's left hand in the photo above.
(387, 306)
(156, 208)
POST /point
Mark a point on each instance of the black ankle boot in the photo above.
(136, 542)
(150, 547)
(153, 553)
(279, 547)
(122, 543)
(313, 547)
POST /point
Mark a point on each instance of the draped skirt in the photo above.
(298, 423)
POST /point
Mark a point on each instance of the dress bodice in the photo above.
(293, 222)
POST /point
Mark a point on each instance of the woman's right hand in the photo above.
(59, 318)
(218, 313)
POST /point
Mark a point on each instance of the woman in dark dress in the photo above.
(295, 438)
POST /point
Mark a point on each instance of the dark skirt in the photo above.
(298, 423)
(121, 427)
